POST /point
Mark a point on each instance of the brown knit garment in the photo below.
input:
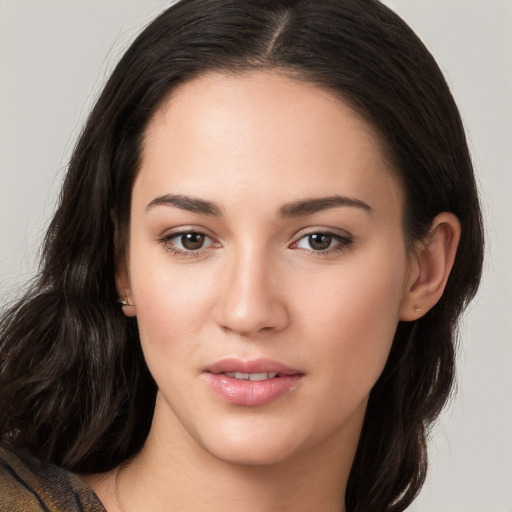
(28, 485)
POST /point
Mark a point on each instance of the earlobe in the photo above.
(123, 288)
(433, 262)
(128, 309)
(121, 277)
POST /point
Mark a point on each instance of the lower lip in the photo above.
(250, 393)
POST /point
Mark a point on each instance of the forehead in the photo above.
(266, 133)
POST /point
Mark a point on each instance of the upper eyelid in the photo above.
(182, 230)
(341, 233)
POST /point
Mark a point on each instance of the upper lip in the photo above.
(262, 365)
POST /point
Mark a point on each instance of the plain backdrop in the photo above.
(54, 58)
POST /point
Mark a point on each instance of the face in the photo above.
(266, 266)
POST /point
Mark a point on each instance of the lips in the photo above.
(253, 366)
(251, 383)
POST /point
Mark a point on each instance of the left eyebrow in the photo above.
(188, 203)
(313, 205)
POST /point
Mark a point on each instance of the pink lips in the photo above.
(251, 393)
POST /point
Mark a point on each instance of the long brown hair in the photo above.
(74, 388)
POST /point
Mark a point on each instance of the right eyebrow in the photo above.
(188, 203)
(316, 204)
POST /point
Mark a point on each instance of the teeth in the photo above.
(262, 376)
(251, 376)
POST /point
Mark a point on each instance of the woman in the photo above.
(249, 292)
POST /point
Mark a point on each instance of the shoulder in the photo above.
(28, 485)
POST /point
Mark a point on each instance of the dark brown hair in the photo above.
(74, 388)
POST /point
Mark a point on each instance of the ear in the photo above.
(431, 264)
(122, 276)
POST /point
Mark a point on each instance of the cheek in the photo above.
(353, 317)
(172, 302)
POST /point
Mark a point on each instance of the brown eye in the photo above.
(322, 242)
(319, 241)
(192, 241)
(188, 243)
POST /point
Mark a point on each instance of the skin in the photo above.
(251, 145)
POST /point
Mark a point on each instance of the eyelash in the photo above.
(341, 243)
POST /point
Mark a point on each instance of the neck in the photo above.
(173, 473)
(219, 486)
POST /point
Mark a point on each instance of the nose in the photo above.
(251, 298)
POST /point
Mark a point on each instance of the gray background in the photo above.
(54, 58)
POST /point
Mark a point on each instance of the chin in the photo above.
(255, 455)
(239, 444)
(253, 447)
